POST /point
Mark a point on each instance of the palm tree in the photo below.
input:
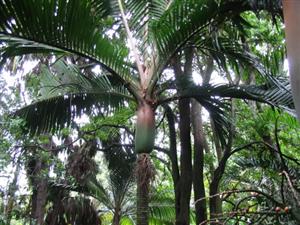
(94, 30)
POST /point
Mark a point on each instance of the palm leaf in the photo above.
(271, 93)
(212, 98)
(142, 14)
(162, 210)
(179, 23)
(68, 26)
(70, 94)
(187, 22)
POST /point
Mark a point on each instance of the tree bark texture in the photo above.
(173, 155)
(13, 187)
(291, 9)
(186, 177)
(39, 194)
(185, 162)
(144, 175)
(198, 176)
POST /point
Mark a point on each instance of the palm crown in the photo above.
(159, 30)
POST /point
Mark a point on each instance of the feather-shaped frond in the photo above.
(212, 98)
(180, 22)
(162, 209)
(142, 13)
(185, 21)
(55, 25)
(70, 95)
(271, 93)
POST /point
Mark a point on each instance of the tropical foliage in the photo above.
(123, 98)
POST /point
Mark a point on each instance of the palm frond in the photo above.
(213, 98)
(68, 96)
(120, 164)
(162, 210)
(180, 22)
(184, 20)
(72, 210)
(143, 13)
(268, 93)
(68, 26)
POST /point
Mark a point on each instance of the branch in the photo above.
(240, 191)
(296, 195)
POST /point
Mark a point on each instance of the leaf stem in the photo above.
(131, 43)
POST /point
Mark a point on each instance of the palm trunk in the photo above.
(198, 170)
(186, 170)
(11, 193)
(144, 175)
(291, 10)
(144, 142)
(39, 194)
(173, 156)
(186, 177)
(117, 216)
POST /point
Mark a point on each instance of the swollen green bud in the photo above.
(145, 129)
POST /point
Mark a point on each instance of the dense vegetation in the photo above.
(146, 112)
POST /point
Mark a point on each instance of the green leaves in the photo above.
(69, 94)
(179, 23)
(61, 26)
(213, 98)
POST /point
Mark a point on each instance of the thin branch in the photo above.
(296, 195)
(240, 191)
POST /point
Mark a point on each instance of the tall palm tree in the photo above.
(156, 32)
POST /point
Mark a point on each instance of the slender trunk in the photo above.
(39, 170)
(117, 216)
(173, 155)
(39, 194)
(215, 203)
(291, 14)
(198, 176)
(185, 162)
(57, 205)
(144, 174)
(11, 193)
(186, 169)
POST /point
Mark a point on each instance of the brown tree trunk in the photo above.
(117, 216)
(215, 203)
(39, 194)
(38, 172)
(11, 193)
(173, 156)
(185, 181)
(144, 174)
(186, 177)
(198, 176)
